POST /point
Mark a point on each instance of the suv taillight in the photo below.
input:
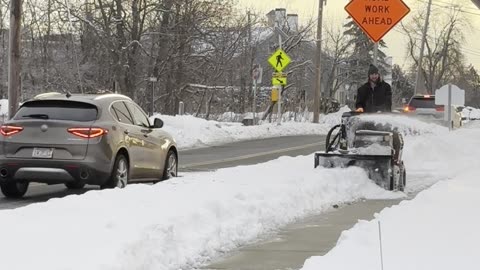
(409, 109)
(440, 108)
(88, 132)
(7, 130)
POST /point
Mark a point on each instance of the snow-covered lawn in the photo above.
(185, 222)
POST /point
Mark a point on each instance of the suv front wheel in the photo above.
(171, 166)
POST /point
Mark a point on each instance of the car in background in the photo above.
(104, 140)
(424, 107)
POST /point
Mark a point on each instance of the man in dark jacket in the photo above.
(375, 95)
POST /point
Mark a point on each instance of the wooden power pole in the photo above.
(14, 57)
(318, 72)
(418, 79)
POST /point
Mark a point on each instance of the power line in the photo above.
(468, 51)
(456, 7)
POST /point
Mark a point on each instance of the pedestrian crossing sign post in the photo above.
(279, 60)
(279, 78)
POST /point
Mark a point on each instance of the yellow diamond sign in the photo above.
(279, 60)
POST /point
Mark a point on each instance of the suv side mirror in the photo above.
(157, 123)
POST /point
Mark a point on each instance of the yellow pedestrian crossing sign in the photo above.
(279, 60)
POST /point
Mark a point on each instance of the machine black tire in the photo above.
(391, 186)
(329, 144)
(75, 185)
(14, 190)
(171, 166)
(120, 173)
(404, 180)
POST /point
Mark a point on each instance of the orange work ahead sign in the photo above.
(377, 17)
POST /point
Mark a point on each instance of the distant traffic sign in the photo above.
(376, 18)
(279, 60)
(257, 73)
(279, 78)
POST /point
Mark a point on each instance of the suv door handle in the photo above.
(145, 132)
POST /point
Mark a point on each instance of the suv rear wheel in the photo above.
(14, 189)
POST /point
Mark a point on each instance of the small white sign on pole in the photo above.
(449, 95)
(257, 74)
(458, 96)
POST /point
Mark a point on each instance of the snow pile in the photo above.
(412, 231)
(405, 124)
(471, 112)
(373, 149)
(178, 224)
(192, 132)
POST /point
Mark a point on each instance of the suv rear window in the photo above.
(58, 110)
(421, 102)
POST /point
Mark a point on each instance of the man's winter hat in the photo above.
(372, 70)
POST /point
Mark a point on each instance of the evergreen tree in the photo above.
(362, 52)
(402, 85)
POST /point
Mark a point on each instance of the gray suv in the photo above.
(104, 140)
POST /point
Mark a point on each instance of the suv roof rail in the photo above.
(101, 96)
(48, 94)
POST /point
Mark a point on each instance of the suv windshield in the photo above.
(58, 110)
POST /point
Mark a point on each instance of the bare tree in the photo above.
(443, 47)
(336, 52)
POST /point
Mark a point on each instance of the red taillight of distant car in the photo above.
(7, 130)
(440, 109)
(88, 133)
(409, 109)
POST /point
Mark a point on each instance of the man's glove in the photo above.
(360, 110)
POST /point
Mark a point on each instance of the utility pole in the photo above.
(422, 47)
(14, 57)
(318, 73)
(252, 87)
(152, 107)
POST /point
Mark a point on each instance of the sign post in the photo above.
(257, 74)
(279, 60)
(377, 18)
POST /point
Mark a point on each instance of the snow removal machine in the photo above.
(362, 142)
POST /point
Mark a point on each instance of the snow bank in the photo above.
(436, 230)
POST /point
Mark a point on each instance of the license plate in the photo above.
(42, 152)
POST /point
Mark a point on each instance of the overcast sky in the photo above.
(396, 42)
